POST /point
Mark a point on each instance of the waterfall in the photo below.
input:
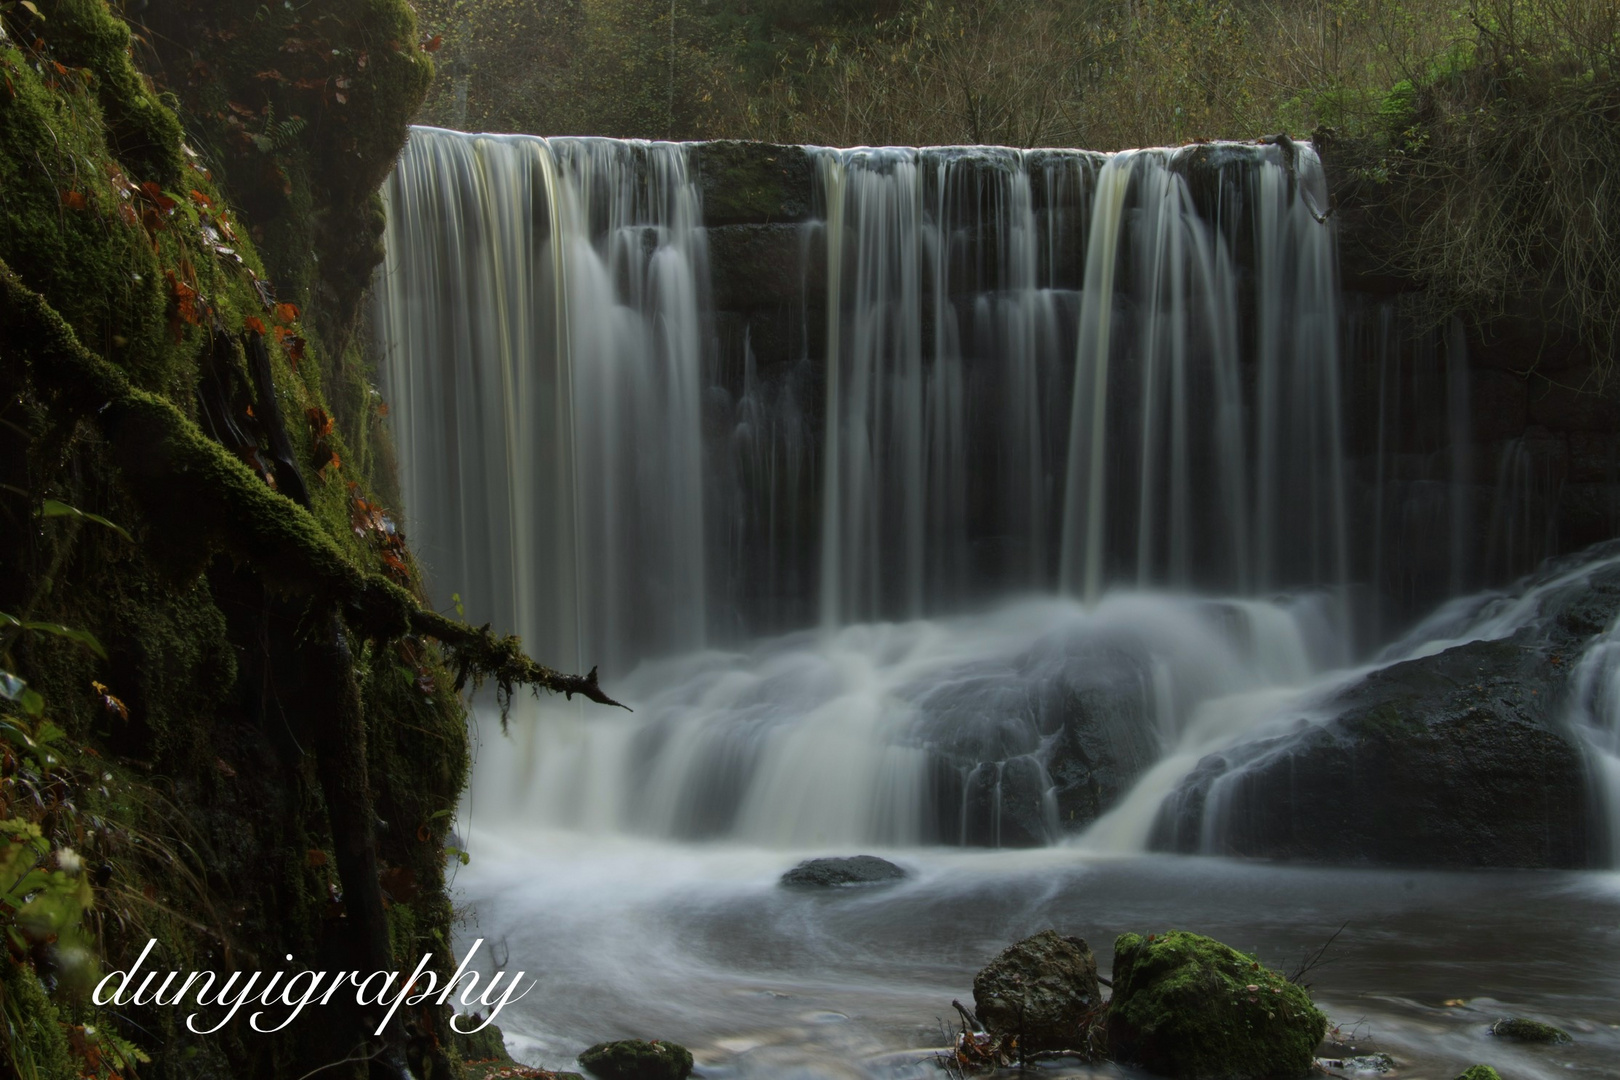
(1595, 718)
(544, 317)
(1035, 391)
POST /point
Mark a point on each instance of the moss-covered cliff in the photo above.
(224, 721)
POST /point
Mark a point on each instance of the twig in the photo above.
(1314, 961)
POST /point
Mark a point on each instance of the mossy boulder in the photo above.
(1042, 990)
(1522, 1030)
(1480, 1072)
(1190, 1007)
(638, 1059)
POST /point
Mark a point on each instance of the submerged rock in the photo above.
(1188, 1006)
(638, 1059)
(1516, 1027)
(856, 870)
(1042, 990)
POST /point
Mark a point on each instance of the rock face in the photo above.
(751, 183)
(1457, 759)
(1034, 749)
(1043, 990)
(828, 873)
(638, 1059)
(1190, 1007)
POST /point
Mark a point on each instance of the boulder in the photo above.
(1190, 1007)
(1461, 758)
(638, 1059)
(1042, 990)
(1523, 1030)
(1038, 745)
(1481, 1072)
(829, 873)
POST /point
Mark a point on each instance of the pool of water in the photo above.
(699, 944)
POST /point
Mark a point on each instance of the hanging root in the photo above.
(204, 500)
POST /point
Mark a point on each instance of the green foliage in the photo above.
(35, 1042)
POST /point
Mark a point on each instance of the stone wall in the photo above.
(1474, 450)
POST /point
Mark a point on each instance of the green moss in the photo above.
(1480, 1072)
(210, 815)
(1529, 1031)
(141, 131)
(638, 1059)
(1188, 1006)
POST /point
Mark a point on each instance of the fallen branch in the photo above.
(479, 653)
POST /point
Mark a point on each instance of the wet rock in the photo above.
(857, 870)
(1188, 1006)
(1523, 1030)
(638, 1059)
(1104, 737)
(1004, 804)
(1481, 1072)
(1457, 759)
(757, 266)
(1042, 743)
(1043, 990)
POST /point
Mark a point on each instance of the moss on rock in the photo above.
(638, 1059)
(141, 130)
(1480, 1072)
(1522, 1030)
(1190, 1007)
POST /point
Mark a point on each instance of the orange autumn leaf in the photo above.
(254, 323)
(73, 200)
(286, 313)
(320, 424)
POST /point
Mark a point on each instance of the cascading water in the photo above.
(1011, 404)
(543, 311)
